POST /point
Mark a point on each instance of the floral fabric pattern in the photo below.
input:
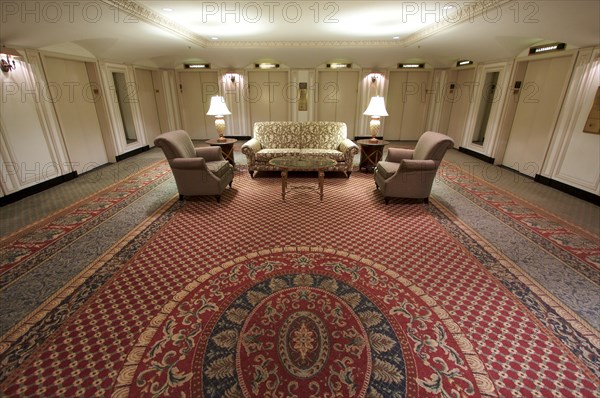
(273, 139)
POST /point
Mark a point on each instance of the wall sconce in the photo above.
(8, 63)
(375, 76)
(232, 77)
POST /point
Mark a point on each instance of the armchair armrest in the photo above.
(417, 165)
(210, 153)
(188, 163)
(396, 155)
(252, 146)
(348, 145)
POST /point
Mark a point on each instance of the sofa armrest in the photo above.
(188, 163)
(209, 153)
(396, 155)
(348, 145)
(417, 165)
(251, 147)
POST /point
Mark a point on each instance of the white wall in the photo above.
(31, 149)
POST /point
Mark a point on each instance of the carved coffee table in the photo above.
(302, 163)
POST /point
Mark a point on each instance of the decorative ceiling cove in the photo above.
(468, 11)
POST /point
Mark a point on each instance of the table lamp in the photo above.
(376, 109)
(218, 109)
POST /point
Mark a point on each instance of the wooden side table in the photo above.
(370, 153)
(226, 147)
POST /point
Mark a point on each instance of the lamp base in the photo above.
(374, 129)
(221, 139)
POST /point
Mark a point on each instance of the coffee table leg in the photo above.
(284, 174)
(321, 178)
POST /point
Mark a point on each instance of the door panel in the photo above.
(148, 106)
(539, 102)
(337, 93)
(406, 105)
(461, 100)
(76, 113)
(195, 91)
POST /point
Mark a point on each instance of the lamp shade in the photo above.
(376, 107)
(218, 107)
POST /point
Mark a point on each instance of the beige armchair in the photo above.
(409, 173)
(197, 171)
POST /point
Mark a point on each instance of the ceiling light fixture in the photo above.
(546, 48)
(339, 65)
(464, 62)
(266, 65)
(197, 66)
(411, 66)
(167, 9)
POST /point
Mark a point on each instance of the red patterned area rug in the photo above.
(260, 297)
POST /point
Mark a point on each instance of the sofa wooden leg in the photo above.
(426, 200)
(180, 197)
(251, 173)
(386, 200)
(231, 184)
(348, 174)
(218, 198)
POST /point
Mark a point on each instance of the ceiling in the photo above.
(299, 34)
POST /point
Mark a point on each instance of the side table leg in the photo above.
(321, 178)
(284, 174)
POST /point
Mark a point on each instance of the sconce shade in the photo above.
(218, 107)
(376, 107)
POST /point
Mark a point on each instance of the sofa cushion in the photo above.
(219, 167)
(275, 135)
(264, 155)
(387, 169)
(329, 153)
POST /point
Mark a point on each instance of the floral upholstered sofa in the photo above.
(275, 139)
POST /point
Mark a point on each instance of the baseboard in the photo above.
(132, 153)
(23, 193)
(578, 193)
(477, 155)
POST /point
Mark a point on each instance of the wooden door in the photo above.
(539, 103)
(76, 111)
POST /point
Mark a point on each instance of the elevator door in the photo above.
(539, 103)
(74, 102)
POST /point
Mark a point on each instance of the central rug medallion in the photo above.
(302, 340)
(303, 323)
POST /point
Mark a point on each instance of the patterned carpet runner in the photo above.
(260, 297)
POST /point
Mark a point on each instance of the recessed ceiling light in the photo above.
(396, 37)
(167, 9)
(448, 7)
(215, 38)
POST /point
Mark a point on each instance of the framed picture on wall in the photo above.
(592, 124)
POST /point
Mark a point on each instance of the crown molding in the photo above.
(143, 13)
(468, 12)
